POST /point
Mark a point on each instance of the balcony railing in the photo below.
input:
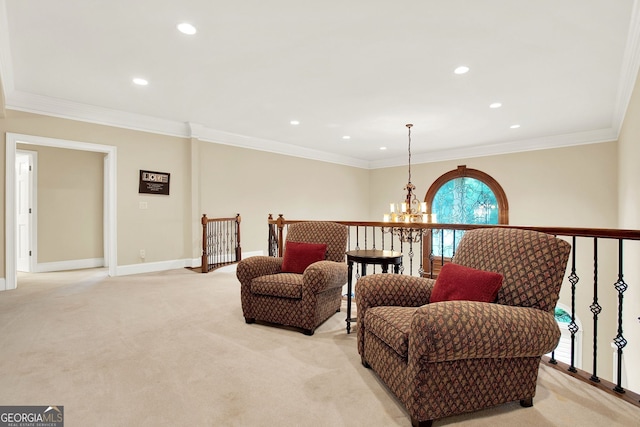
(220, 242)
(595, 280)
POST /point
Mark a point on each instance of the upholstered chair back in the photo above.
(533, 264)
(332, 234)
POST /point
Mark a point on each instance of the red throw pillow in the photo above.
(457, 282)
(298, 256)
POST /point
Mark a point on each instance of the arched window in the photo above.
(461, 196)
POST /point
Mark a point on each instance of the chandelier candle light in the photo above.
(411, 210)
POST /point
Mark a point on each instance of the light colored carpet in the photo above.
(172, 349)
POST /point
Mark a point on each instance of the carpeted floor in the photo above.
(172, 348)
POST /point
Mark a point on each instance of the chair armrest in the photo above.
(256, 266)
(393, 290)
(323, 275)
(455, 330)
(388, 289)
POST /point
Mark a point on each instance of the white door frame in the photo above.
(109, 216)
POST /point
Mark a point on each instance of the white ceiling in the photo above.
(563, 70)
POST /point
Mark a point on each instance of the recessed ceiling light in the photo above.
(294, 122)
(463, 69)
(187, 28)
(383, 148)
(346, 137)
(514, 126)
(495, 105)
(140, 81)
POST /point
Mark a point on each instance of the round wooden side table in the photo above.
(364, 257)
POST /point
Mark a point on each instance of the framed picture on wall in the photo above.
(154, 182)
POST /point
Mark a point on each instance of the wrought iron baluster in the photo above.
(224, 242)
(411, 256)
(596, 309)
(454, 247)
(212, 244)
(442, 248)
(431, 255)
(392, 239)
(219, 243)
(365, 238)
(358, 266)
(373, 236)
(619, 340)
(421, 253)
(402, 251)
(573, 326)
(272, 238)
(229, 233)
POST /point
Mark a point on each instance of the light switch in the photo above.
(143, 205)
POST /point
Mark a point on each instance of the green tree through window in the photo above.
(461, 196)
(465, 201)
(461, 201)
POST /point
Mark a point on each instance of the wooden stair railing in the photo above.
(220, 242)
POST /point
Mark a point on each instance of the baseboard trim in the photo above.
(152, 267)
(123, 270)
(76, 264)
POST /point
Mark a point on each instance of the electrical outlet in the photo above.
(143, 254)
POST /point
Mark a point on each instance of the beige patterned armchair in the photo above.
(451, 357)
(302, 300)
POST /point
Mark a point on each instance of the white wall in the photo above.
(569, 187)
(629, 218)
(256, 184)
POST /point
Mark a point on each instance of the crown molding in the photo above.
(629, 69)
(555, 141)
(88, 113)
(38, 104)
(55, 107)
(227, 138)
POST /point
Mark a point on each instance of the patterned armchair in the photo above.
(452, 357)
(300, 300)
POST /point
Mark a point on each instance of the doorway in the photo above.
(11, 208)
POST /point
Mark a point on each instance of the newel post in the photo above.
(205, 263)
(238, 247)
(280, 224)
